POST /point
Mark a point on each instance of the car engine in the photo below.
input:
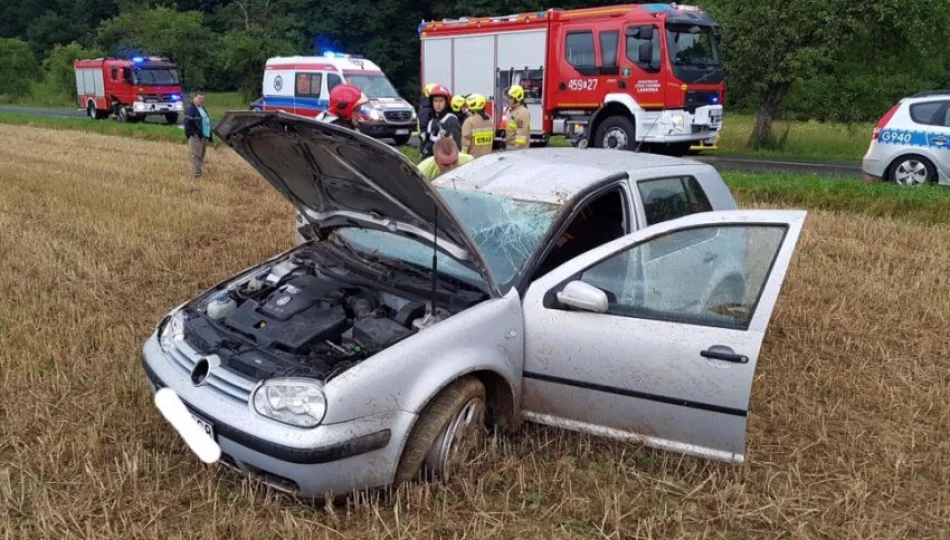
(293, 320)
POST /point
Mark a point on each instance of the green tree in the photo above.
(18, 67)
(771, 45)
(60, 77)
(241, 57)
(165, 32)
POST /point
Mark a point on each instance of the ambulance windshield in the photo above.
(156, 77)
(693, 45)
(374, 86)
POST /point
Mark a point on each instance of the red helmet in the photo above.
(441, 90)
(344, 99)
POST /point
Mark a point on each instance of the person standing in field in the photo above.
(518, 133)
(446, 156)
(198, 132)
(478, 130)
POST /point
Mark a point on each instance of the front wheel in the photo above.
(171, 118)
(912, 171)
(447, 433)
(402, 139)
(615, 133)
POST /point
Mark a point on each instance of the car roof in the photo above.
(551, 175)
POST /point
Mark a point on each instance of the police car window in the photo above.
(638, 35)
(309, 84)
(926, 113)
(332, 80)
(579, 48)
(608, 47)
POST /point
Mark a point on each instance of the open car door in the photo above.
(622, 342)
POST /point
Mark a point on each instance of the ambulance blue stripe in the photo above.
(923, 139)
(299, 103)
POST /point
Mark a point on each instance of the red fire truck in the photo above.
(129, 90)
(611, 77)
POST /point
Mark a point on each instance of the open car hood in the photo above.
(336, 176)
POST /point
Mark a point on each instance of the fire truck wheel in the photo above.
(91, 111)
(121, 114)
(615, 133)
(171, 118)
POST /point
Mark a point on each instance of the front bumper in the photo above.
(142, 107)
(385, 130)
(678, 126)
(336, 458)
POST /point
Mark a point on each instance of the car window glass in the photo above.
(924, 113)
(608, 47)
(634, 40)
(670, 198)
(580, 49)
(308, 84)
(715, 284)
(115, 74)
(946, 117)
(332, 80)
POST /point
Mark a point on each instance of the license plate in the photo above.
(204, 425)
(402, 132)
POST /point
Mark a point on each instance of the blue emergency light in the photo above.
(175, 97)
(137, 59)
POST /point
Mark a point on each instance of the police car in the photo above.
(911, 143)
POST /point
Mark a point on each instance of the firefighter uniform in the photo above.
(518, 133)
(478, 130)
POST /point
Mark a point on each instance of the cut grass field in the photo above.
(815, 141)
(848, 429)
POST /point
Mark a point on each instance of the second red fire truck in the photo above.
(129, 89)
(613, 77)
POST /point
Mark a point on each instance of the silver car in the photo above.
(911, 142)
(614, 293)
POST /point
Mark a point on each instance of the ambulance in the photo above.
(301, 85)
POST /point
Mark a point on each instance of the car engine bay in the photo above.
(295, 318)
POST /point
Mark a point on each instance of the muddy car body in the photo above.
(569, 290)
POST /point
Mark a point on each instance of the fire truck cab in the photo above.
(301, 85)
(612, 77)
(129, 90)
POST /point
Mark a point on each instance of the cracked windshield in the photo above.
(507, 231)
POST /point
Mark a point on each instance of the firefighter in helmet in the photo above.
(478, 130)
(518, 132)
(425, 113)
(345, 102)
(460, 108)
(443, 122)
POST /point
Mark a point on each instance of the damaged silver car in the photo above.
(614, 293)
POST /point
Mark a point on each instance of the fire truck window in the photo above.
(309, 84)
(608, 48)
(115, 74)
(637, 36)
(580, 49)
(332, 80)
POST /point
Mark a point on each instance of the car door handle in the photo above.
(718, 352)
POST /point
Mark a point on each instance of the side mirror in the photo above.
(646, 33)
(583, 296)
(645, 53)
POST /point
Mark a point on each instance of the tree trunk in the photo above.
(769, 102)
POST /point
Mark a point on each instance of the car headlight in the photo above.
(414, 115)
(297, 402)
(679, 122)
(173, 330)
(374, 114)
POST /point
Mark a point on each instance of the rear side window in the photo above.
(309, 84)
(670, 198)
(927, 113)
(579, 48)
(609, 42)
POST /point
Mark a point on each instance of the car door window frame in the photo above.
(634, 55)
(613, 68)
(937, 118)
(339, 80)
(318, 75)
(550, 300)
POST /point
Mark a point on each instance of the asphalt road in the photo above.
(749, 164)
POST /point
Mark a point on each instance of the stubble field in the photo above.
(100, 236)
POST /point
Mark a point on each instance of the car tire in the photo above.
(449, 428)
(615, 133)
(121, 114)
(402, 139)
(171, 118)
(91, 111)
(912, 170)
